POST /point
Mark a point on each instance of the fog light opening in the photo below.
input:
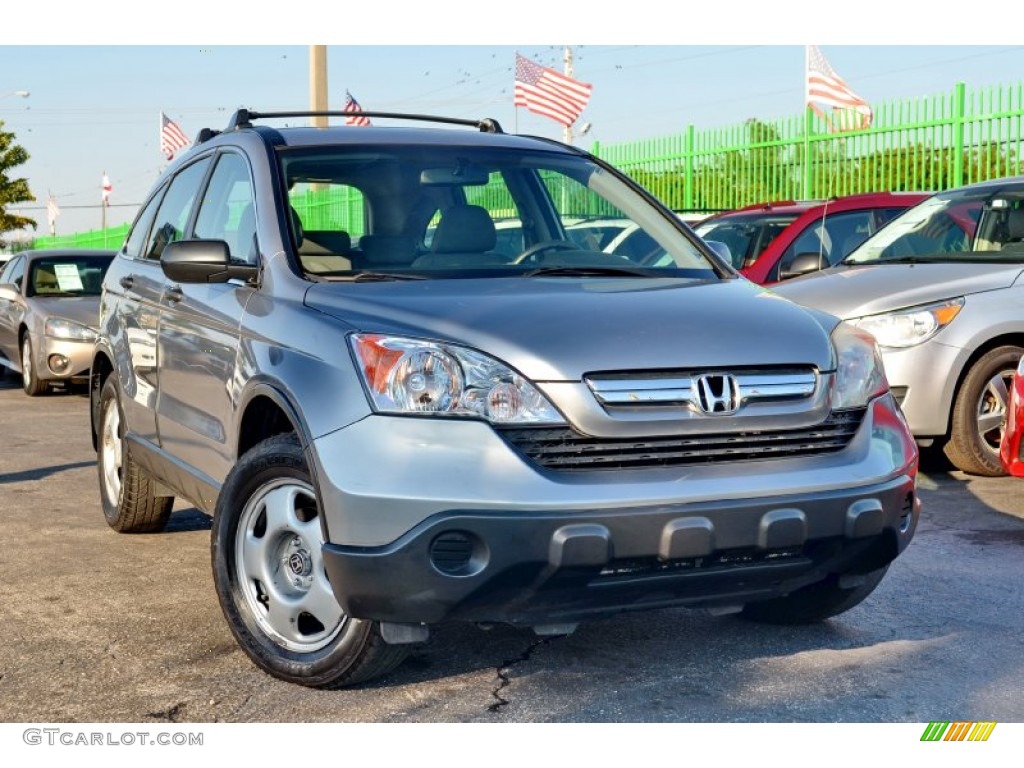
(58, 363)
(907, 517)
(458, 553)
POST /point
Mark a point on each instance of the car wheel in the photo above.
(30, 381)
(126, 491)
(270, 577)
(979, 413)
(815, 602)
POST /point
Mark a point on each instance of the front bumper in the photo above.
(543, 568)
(428, 520)
(77, 354)
(926, 376)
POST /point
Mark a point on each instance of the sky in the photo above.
(97, 85)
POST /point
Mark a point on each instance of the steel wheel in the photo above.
(111, 458)
(280, 569)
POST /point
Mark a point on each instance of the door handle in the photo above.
(173, 294)
(127, 281)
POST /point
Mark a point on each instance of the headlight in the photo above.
(59, 328)
(859, 372)
(910, 326)
(422, 377)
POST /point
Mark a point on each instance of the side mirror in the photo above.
(9, 291)
(203, 261)
(801, 264)
(721, 250)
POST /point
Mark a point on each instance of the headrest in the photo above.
(464, 228)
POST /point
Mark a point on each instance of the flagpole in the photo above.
(567, 59)
(808, 123)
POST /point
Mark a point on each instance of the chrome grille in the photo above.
(639, 390)
(567, 449)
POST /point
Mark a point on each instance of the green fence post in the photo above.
(595, 149)
(688, 174)
(959, 107)
(808, 172)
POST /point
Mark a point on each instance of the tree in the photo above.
(12, 190)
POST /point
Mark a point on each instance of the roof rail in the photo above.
(243, 118)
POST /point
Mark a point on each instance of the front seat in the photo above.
(465, 237)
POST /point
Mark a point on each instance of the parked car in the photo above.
(940, 288)
(1010, 448)
(776, 241)
(422, 434)
(49, 312)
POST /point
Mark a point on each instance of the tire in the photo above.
(126, 491)
(30, 380)
(979, 413)
(270, 578)
(813, 603)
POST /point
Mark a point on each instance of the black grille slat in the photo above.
(563, 448)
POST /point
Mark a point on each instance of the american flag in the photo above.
(171, 137)
(849, 111)
(107, 189)
(351, 105)
(548, 92)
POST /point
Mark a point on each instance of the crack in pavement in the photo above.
(503, 668)
(170, 715)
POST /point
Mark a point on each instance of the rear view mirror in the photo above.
(461, 176)
(202, 261)
(802, 264)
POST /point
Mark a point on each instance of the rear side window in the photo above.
(172, 216)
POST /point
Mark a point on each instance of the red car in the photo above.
(1009, 446)
(770, 242)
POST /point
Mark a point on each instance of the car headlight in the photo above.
(860, 375)
(412, 376)
(909, 327)
(59, 328)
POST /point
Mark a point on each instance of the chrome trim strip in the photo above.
(679, 389)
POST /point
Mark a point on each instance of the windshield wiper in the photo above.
(370, 277)
(591, 271)
(900, 260)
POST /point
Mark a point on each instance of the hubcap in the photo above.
(26, 363)
(280, 569)
(991, 410)
(110, 452)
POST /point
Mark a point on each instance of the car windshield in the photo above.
(471, 211)
(984, 224)
(67, 275)
(747, 235)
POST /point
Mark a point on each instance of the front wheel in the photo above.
(979, 413)
(815, 602)
(270, 577)
(30, 381)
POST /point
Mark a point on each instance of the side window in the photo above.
(227, 211)
(172, 216)
(137, 237)
(836, 239)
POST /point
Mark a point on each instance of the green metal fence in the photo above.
(928, 144)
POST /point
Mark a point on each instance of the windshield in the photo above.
(962, 225)
(67, 275)
(472, 211)
(746, 235)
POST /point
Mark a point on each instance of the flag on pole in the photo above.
(171, 137)
(107, 189)
(52, 212)
(351, 105)
(550, 93)
(824, 87)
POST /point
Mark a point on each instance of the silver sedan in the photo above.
(49, 312)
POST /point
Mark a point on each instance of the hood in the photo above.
(81, 309)
(857, 290)
(558, 329)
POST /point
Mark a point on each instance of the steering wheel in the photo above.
(546, 245)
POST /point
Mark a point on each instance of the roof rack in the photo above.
(243, 118)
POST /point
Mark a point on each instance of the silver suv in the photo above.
(395, 421)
